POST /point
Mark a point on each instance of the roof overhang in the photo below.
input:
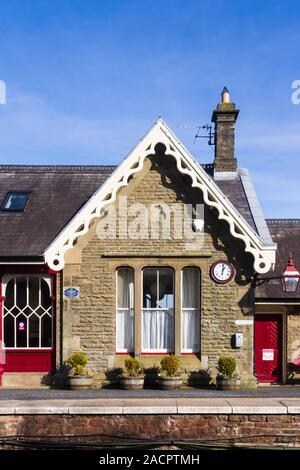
(5, 260)
(263, 254)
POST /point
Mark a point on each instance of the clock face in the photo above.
(222, 271)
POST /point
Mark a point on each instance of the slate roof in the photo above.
(233, 188)
(286, 233)
(58, 192)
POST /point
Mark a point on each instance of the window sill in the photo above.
(156, 353)
(190, 353)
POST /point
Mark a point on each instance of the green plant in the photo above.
(200, 377)
(133, 367)
(170, 366)
(78, 361)
(151, 375)
(227, 367)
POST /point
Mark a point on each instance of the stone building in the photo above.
(154, 256)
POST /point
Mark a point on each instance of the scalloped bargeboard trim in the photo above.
(264, 255)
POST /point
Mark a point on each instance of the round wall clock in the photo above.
(222, 271)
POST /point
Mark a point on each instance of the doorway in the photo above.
(268, 348)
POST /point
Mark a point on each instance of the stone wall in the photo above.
(89, 322)
(293, 347)
(258, 429)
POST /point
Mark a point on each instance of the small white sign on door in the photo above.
(268, 354)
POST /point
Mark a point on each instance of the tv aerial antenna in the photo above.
(207, 128)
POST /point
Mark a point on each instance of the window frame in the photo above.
(156, 351)
(197, 310)
(6, 198)
(124, 351)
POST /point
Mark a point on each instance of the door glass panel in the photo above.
(33, 331)
(34, 283)
(46, 300)
(9, 329)
(27, 302)
(21, 325)
(21, 299)
(46, 338)
(10, 294)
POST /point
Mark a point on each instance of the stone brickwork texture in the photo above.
(293, 348)
(89, 322)
(258, 429)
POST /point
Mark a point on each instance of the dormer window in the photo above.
(15, 201)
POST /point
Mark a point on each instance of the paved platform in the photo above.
(284, 391)
(157, 406)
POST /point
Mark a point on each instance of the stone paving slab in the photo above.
(257, 406)
(203, 406)
(292, 404)
(159, 406)
(150, 406)
(103, 407)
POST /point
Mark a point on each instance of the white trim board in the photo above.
(263, 253)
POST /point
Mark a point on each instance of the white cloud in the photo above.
(270, 137)
(30, 128)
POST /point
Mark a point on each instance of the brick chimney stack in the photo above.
(224, 118)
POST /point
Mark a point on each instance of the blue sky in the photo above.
(86, 78)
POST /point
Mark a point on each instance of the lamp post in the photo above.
(289, 278)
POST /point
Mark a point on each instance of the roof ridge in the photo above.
(283, 221)
(39, 168)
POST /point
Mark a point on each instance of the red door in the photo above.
(268, 348)
(27, 322)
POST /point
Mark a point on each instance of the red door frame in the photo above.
(30, 360)
(270, 377)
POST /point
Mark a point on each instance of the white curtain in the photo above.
(190, 330)
(158, 330)
(190, 288)
(124, 330)
(125, 285)
(190, 315)
(125, 312)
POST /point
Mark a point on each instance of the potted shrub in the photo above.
(133, 377)
(227, 378)
(170, 377)
(199, 378)
(79, 378)
(151, 376)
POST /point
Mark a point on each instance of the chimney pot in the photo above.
(225, 96)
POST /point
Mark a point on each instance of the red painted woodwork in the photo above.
(27, 360)
(268, 342)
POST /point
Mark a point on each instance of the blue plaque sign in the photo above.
(71, 292)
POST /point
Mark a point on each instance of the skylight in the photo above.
(15, 201)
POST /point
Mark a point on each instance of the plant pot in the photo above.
(226, 383)
(169, 383)
(80, 382)
(129, 382)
